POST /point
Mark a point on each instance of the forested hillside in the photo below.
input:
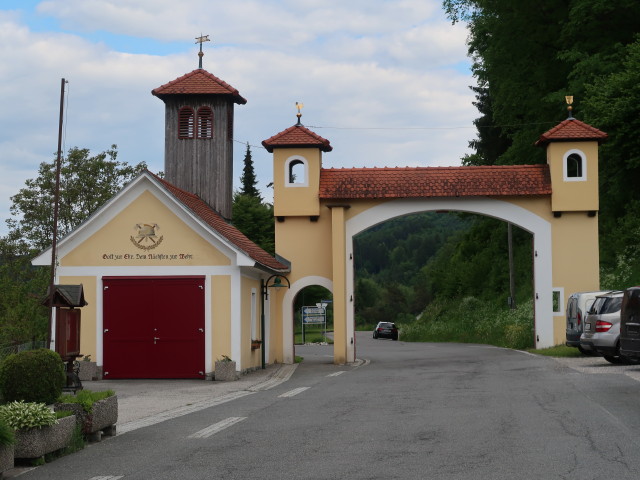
(527, 56)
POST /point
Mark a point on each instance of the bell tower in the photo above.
(198, 152)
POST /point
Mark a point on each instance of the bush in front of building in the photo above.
(32, 376)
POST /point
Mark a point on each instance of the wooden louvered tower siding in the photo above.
(199, 109)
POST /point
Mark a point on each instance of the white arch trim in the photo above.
(287, 311)
(542, 247)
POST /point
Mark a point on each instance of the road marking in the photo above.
(107, 477)
(335, 374)
(294, 392)
(283, 374)
(178, 412)
(217, 427)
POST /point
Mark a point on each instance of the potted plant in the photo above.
(87, 370)
(37, 429)
(225, 369)
(96, 412)
(7, 440)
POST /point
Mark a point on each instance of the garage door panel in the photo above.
(154, 327)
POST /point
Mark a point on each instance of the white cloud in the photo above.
(353, 64)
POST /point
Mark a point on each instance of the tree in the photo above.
(255, 220)
(250, 214)
(248, 178)
(86, 183)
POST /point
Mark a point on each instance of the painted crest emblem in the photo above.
(147, 238)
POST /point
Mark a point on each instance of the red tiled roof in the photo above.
(297, 136)
(346, 183)
(572, 129)
(198, 82)
(228, 231)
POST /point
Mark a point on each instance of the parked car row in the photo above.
(605, 323)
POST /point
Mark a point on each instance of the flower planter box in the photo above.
(6, 458)
(101, 421)
(225, 371)
(36, 442)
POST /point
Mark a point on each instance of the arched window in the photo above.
(186, 123)
(296, 172)
(205, 122)
(574, 166)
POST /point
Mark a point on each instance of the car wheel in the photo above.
(375, 335)
(616, 360)
(629, 360)
(395, 338)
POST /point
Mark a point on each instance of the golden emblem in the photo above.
(146, 239)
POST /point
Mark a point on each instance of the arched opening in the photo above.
(445, 277)
(574, 167)
(313, 316)
(296, 172)
(539, 228)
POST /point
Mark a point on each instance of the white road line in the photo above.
(217, 427)
(178, 412)
(294, 392)
(107, 477)
(335, 374)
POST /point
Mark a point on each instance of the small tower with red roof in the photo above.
(572, 155)
(297, 157)
(198, 156)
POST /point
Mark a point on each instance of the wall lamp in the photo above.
(276, 282)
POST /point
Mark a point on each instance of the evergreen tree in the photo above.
(248, 178)
(250, 214)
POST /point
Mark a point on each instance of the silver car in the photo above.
(602, 328)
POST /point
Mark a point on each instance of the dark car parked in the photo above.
(386, 330)
(630, 323)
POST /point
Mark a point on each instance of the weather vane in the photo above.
(569, 100)
(201, 39)
(299, 114)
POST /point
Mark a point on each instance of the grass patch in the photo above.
(312, 335)
(557, 351)
(299, 359)
(472, 320)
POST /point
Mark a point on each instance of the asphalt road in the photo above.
(411, 411)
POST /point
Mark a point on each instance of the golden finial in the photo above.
(569, 100)
(299, 114)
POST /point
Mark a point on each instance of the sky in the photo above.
(387, 82)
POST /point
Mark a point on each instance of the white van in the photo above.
(577, 307)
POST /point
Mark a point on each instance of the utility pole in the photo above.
(512, 284)
(56, 202)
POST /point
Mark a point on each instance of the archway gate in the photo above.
(319, 211)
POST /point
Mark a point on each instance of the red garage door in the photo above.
(153, 327)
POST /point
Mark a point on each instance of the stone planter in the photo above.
(101, 420)
(87, 371)
(6, 458)
(225, 371)
(36, 442)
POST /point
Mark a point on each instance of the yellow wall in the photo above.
(88, 316)
(250, 358)
(296, 200)
(573, 195)
(112, 244)
(221, 317)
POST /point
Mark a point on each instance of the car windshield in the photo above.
(385, 325)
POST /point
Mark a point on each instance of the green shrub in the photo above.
(24, 415)
(86, 398)
(6, 434)
(32, 376)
